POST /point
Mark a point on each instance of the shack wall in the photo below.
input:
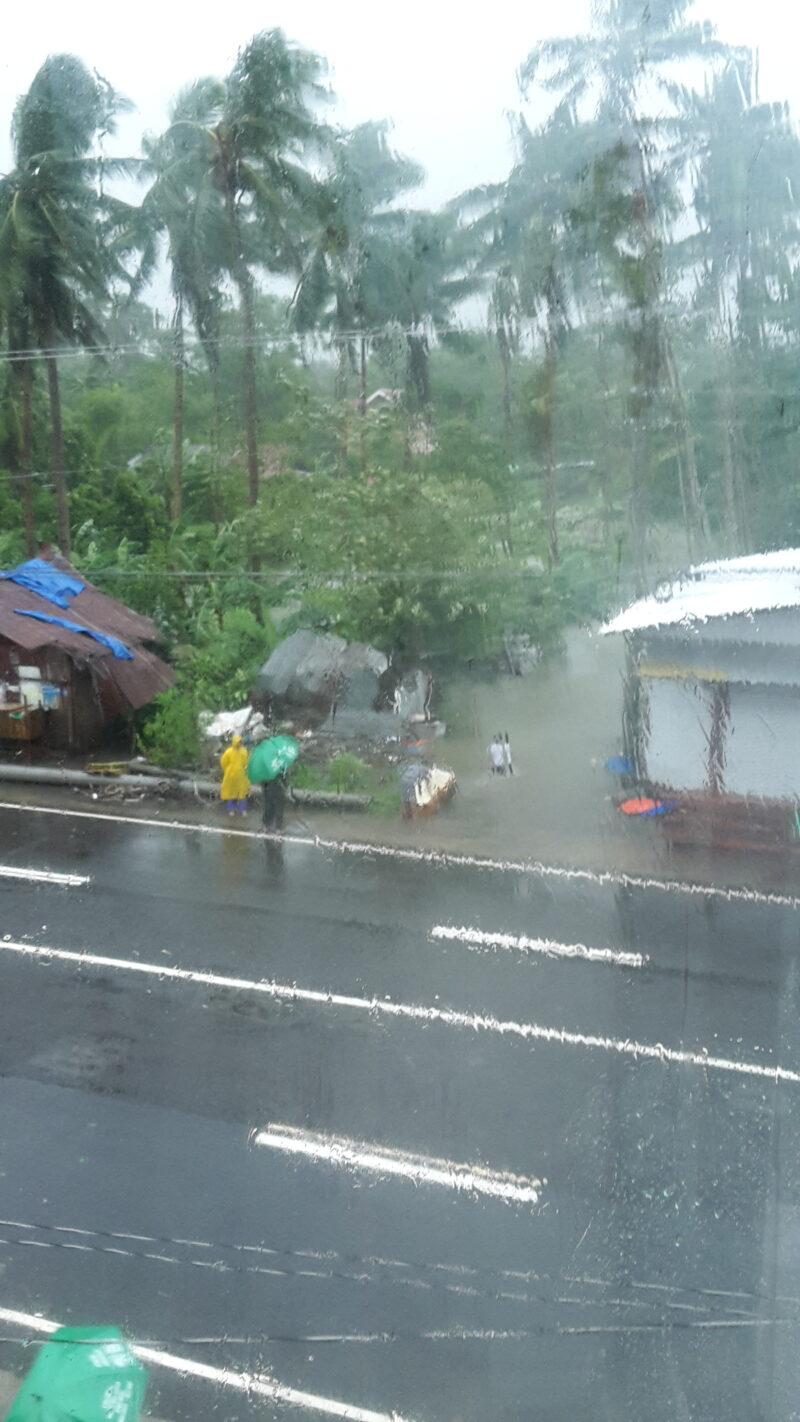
(675, 740)
(762, 748)
(78, 720)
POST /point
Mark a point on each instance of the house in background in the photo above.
(63, 686)
(712, 700)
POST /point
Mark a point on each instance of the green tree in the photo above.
(745, 186)
(56, 272)
(183, 204)
(252, 134)
(621, 76)
(524, 244)
(345, 280)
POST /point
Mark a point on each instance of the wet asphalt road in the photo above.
(658, 1275)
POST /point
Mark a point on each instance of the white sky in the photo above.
(443, 72)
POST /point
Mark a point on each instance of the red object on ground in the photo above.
(639, 805)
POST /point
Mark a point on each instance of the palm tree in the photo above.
(18, 402)
(745, 181)
(182, 203)
(428, 280)
(524, 243)
(55, 270)
(251, 134)
(345, 279)
(613, 74)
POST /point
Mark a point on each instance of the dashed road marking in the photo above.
(477, 938)
(386, 1160)
(44, 876)
(412, 1012)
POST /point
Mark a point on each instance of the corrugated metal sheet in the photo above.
(729, 587)
(137, 682)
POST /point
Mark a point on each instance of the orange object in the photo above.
(639, 805)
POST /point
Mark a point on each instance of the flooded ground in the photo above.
(563, 721)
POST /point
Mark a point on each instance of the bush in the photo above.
(220, 672)
(170, 736)
(348, 775)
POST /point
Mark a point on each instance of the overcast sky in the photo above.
(443, 72)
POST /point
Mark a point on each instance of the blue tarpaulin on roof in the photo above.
(123, 653)
(47, 581)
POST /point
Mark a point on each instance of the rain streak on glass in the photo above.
(400, 713)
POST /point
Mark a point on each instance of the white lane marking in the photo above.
(477, 938)
(253, 1384)
(409, 1012)
(438, 858)
(44, 876)
(386, 1160)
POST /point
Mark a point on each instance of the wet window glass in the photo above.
(400, 713)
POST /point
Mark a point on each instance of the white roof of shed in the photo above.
(728, 587)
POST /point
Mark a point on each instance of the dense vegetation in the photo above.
(590, 370)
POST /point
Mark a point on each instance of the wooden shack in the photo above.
(61, 686)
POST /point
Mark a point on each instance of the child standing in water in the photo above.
(507, 763)
(496, 756)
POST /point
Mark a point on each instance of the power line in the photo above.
(151, 347)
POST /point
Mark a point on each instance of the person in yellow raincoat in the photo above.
(235, 786)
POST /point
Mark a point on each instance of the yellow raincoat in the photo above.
(233, 762)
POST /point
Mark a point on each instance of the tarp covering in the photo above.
(117, 648)
(317, 670)
(47, 580)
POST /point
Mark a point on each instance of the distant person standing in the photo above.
(497, 756)
(507, 762)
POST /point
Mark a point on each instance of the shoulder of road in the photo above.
(486, 846)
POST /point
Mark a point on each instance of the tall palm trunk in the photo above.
(178, 357)
(640, 465)
(244, 282)
(24, 381)
(342, 372)
(216, 410)
(362, 401)
(696, 527)
(549, 446)
(418, 369)
(211, 352)
(734, 502)
(243, 278)
(644, 367)
(694, 515)
(605, 442)
(362, 375)
(505, 366)
(731, 521)
(57, 453)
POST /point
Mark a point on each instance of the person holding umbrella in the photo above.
(268, 764)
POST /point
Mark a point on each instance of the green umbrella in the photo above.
(82, 1375)
(270, 758)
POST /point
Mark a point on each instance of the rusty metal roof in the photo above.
(138, 681)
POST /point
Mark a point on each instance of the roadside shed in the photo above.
(712, 699)
(73, 656)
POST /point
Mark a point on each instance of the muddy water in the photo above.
(564, 721)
